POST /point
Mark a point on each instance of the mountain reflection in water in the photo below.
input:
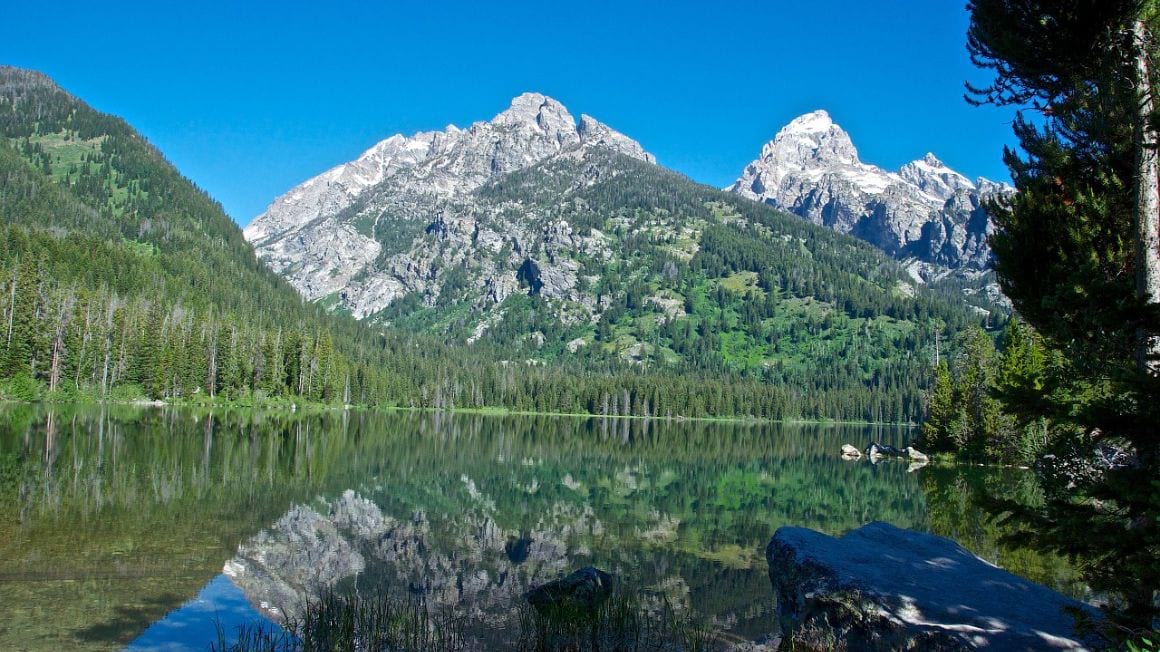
(112, 518)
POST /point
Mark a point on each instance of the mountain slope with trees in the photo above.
(641, 293)
(550, 245)
(119, 272)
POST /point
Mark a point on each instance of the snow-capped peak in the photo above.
(809, 141)
(933, 177)
(926, 209)
(809, 147)
(815, 122)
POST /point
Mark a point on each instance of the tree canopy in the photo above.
(1077, 254)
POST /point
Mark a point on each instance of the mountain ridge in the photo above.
(426, 168)
(925, 211)
(574, 249)
(587, 280)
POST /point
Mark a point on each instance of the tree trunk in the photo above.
(54, 369)
(1147, 203)
(211, 366)
(11, 307)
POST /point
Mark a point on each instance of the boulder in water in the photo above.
(916, 455)
(881, 450)
(850, 452)
(881, 587)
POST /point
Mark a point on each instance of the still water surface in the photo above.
(152, 527)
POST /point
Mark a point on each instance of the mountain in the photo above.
(123, 279)
(330, 234)
(925, 212)
(547, 240)
(531, 263)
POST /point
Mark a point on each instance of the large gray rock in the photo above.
(300, 554)
(881, 587)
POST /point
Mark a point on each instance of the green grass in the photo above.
(743, 283)
(68, 150)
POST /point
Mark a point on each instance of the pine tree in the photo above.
(1078, 254)
(940, 411)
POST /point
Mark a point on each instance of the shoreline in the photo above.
(483, 411)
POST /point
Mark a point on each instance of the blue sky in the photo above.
(249, 99)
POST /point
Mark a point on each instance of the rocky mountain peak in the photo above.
(594, 132)
(926, 210)
(536, 111)
(933, 177)
(810, 140)
(805, 150)
(324, 233)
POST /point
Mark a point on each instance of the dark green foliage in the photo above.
(1065, 257)
(964, 413)
(940, 411)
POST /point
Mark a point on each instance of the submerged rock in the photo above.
(582, 590)
(881, 587)
(916, 455)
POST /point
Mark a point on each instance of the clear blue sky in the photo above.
(249, 99)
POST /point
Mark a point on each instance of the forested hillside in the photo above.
(118, 272)
(122, 280)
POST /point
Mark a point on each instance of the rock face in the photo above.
(925, 212)
(526, 231)
(302, 551)
(880, 587)
(368, 232)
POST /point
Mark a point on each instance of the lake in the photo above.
(152, 527)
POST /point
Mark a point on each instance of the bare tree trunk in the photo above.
(54, 369)
(1147, 203)
(64, 312)
(11, 307)
(211, 367)
(108, 344)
